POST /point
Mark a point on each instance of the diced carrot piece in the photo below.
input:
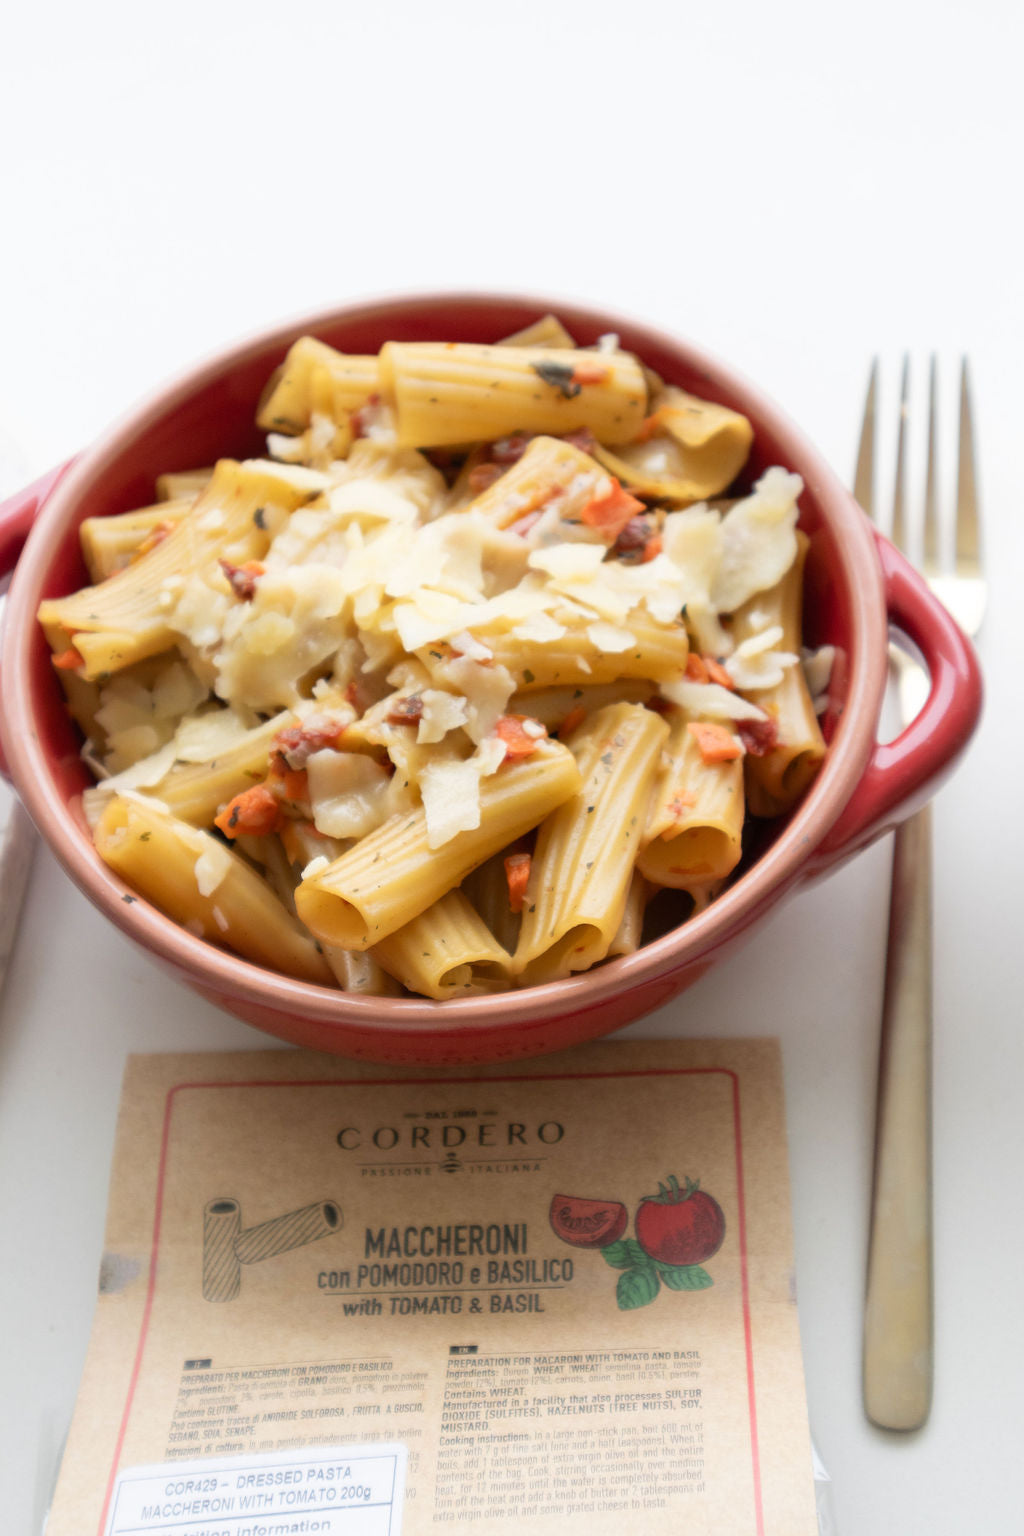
(294, 784)
(254, 811)
(652, 549)
(297, 743)
(590, 373)
(517, 873)
(519, 740)
(575, 717)
(696, 671)
(648, 427)
(69, 660)
(718, 674)
(716, 743)
(610, 513)
(154, 537)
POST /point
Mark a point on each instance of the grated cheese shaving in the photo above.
(442, 712)
(758, 540)
(347, 792)
(609, 637)
(212, 866)
(710, 701)
(757, 663)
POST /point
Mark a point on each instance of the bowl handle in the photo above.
(902, 774)
(17, 514)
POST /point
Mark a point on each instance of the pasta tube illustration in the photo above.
(222, 1271)
(226, 1246)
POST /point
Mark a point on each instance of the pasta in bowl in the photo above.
(419, 690)
(430, 697)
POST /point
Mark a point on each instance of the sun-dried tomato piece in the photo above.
(632, 543)
(482, 477)
(509, 450)
(362, 418)
(759, 736)
(297, 743)
(406, 711)
(584, 440)
(243, 578)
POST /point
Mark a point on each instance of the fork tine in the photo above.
(864, 475)
(897, 530)
(930, 563)
(968, 538)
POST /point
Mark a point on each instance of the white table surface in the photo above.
(793, 186)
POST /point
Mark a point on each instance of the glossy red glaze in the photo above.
(856, 586)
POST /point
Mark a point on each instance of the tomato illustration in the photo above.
(588, 1223)
(680, 1226)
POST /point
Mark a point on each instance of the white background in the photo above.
(795, 186)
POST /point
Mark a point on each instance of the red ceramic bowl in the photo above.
(857, 586)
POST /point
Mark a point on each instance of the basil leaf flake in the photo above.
(559, 376)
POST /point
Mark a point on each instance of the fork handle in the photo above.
(898, 1315)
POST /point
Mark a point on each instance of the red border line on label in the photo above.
(414, 1082)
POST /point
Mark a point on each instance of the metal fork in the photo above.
(898, 1314)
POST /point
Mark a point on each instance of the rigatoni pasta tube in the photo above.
(460, 392)
(776, 781)
(694, 831)
(357, 971)
(315, 376)
(195, 792)
(486, 889)
(111, 543)
(583, 655)
(630, 930)
(548, 332)
(447, 951)
(583, 863)
(549, 469)
(571, 702)
(393, 875)
(697, 450)
(226, 901)
(126, 618)
(183, 483)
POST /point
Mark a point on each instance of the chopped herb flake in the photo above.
(559, 376)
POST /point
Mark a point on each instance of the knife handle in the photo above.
(898, 1314)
